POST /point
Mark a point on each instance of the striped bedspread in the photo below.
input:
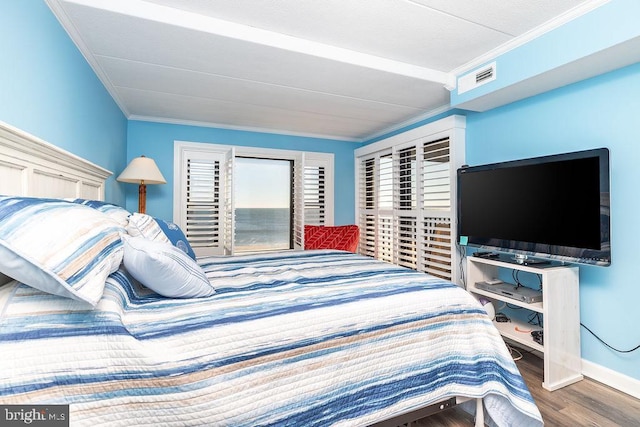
(312, 338)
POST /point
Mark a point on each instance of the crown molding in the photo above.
(240, 128)
(409, 122)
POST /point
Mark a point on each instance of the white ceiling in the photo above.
(345, 69)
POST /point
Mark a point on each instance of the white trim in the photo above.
(442, 125)
(240, 128)
(409, 122)
(611, 378)
(552, 24)
(247, 151)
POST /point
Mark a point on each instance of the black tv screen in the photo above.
(553, 207)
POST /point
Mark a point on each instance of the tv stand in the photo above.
(560, 310)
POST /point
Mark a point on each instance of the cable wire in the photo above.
(515, 354)
(462, 255)
(612, 348)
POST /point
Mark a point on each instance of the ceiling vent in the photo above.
(477, 78)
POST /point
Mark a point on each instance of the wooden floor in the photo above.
(585, 403)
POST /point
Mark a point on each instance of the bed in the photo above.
(312, 338)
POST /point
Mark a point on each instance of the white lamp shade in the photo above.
(142, 169)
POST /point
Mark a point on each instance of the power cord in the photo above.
(462, 256)
(515, 354)
(612, 348)
(515, 274)
(516, 279)
(535, 319)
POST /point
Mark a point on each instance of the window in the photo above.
(217, 196)
(263, 210)
(406, 206)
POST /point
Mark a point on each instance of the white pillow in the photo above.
(58, 247)
(165, 269)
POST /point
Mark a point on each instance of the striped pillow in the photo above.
(59, 247)
(116, 212)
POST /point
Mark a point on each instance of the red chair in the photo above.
(341, 237)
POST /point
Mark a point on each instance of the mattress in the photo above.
(313, 338)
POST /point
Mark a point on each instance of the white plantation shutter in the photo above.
(375, 206)
(200, 215)
(203, 204)
(385, 192)
(406, 204)
(367, 206)
(406, 237)
(405, 191)
(314, 195)
(436, 177)
(385, 184)
(229, 208)
(406, 201)
(298, 202)
(437, 248)
(384, 247)
(318, 188)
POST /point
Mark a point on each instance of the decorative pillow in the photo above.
(159, 230)
(165, 269)
(341, 237)
(62, 248)
(116, 212)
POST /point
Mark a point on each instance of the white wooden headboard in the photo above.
(32, 167)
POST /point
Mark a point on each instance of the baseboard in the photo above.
(621, 382)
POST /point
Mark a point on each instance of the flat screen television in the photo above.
(550, 208)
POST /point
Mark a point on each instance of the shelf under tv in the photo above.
(559, 310)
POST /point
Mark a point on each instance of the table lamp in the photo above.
(142, 171)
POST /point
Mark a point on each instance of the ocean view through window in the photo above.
(226, 203)
(263, 191)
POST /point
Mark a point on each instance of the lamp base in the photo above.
(142, 198)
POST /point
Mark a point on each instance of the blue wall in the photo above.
(599, 112)
(50, 91)
(156, 140)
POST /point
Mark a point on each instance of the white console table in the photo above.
(560, 310)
